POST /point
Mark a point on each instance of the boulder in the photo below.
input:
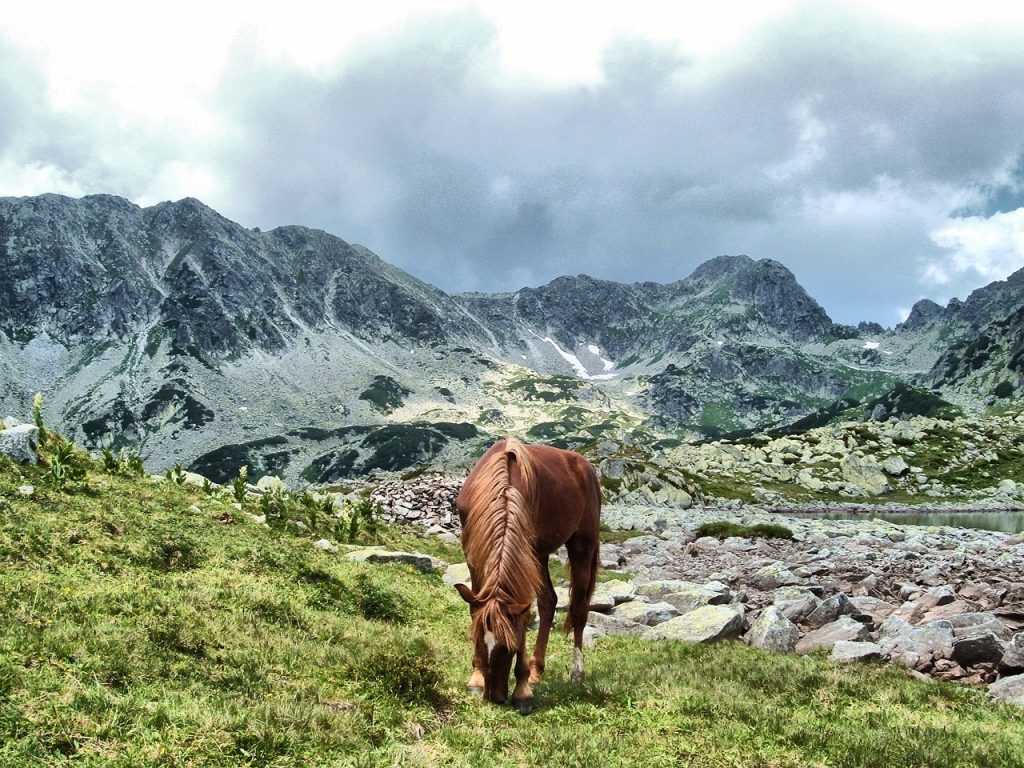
(1009, 690)
(829, 610)
(686, 598)
(456, 573)
(612, 593)
(648, 614)
(864, 474)
(422, 563)
(854, 650)
(843, 628)
(613, 625)
(795, 603)
(895, 466)
(983, 648)
(915, 647)
(774, 632)
(1012, 662)
(701, 625)
(874, 608)
(20, 443)
(773, 576)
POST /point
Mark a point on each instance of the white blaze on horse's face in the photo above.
(490, 641)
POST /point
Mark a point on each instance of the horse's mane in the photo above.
(498, 539)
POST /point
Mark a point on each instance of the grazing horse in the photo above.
(518, 505)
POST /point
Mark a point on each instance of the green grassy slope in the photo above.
(148, 623)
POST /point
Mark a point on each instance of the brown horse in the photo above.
(518, 505)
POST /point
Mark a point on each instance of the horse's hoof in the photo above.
(524, 706)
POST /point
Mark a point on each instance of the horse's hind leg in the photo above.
(583, 562)
(546, 602)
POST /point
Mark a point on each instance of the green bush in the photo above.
(722, 529)
(405, 668)
(174, 553)
(378, 603)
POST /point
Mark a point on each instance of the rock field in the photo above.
(945, 603)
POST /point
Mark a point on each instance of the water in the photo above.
(1007, 522)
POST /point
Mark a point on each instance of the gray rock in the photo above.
(612, 593)
(774, 632)
(853, 650)
(648, 614)
(984, 648)
(422, 563)
(877, 610)
(687, 596)
(1009, 690)
(843, 628)
(915, 647)
(895, 466)
(864, 474)
(1012, 662)
(829, 610)
(325, 545)
(773, 576)
(20, 443)
(701, 625)
(614, 626)
(795, 603)
(456, 573)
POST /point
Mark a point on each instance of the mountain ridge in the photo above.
(177, 329)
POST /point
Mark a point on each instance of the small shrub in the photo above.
(37, 416)
(378, 603)
(124, 463)
(722, 529)
(175, 553)
(175, 475)
(63, 467)
(405, 668)
(238, 489)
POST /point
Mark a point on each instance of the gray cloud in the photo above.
(829, 142)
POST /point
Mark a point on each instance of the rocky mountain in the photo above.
(176, 330)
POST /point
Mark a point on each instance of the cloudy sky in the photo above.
(878, 153)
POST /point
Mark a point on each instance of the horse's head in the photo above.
(498, 631)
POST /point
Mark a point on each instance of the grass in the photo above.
(150, 624)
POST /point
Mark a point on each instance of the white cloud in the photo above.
(990, 248)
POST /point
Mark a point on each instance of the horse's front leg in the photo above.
(476, 677)
(522, 696)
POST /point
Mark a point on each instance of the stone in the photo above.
(26, 490)
(325, 545)
(829, 610)
(1009, 690)
(1012, 662)
(864, 474)
(981, 648)
(795, 603)
(686, 596)
(895, 466)
(912, 646)
(876, 609)
(612, 593)
(20, 443)
(613, 626)
(456, 573)
(774, 632)
(843, 628)
(1007, 487)
(773, 576)
(706, 624)
(855, 650)
(422, 563)
(648, 614)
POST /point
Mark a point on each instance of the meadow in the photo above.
(154, 623)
